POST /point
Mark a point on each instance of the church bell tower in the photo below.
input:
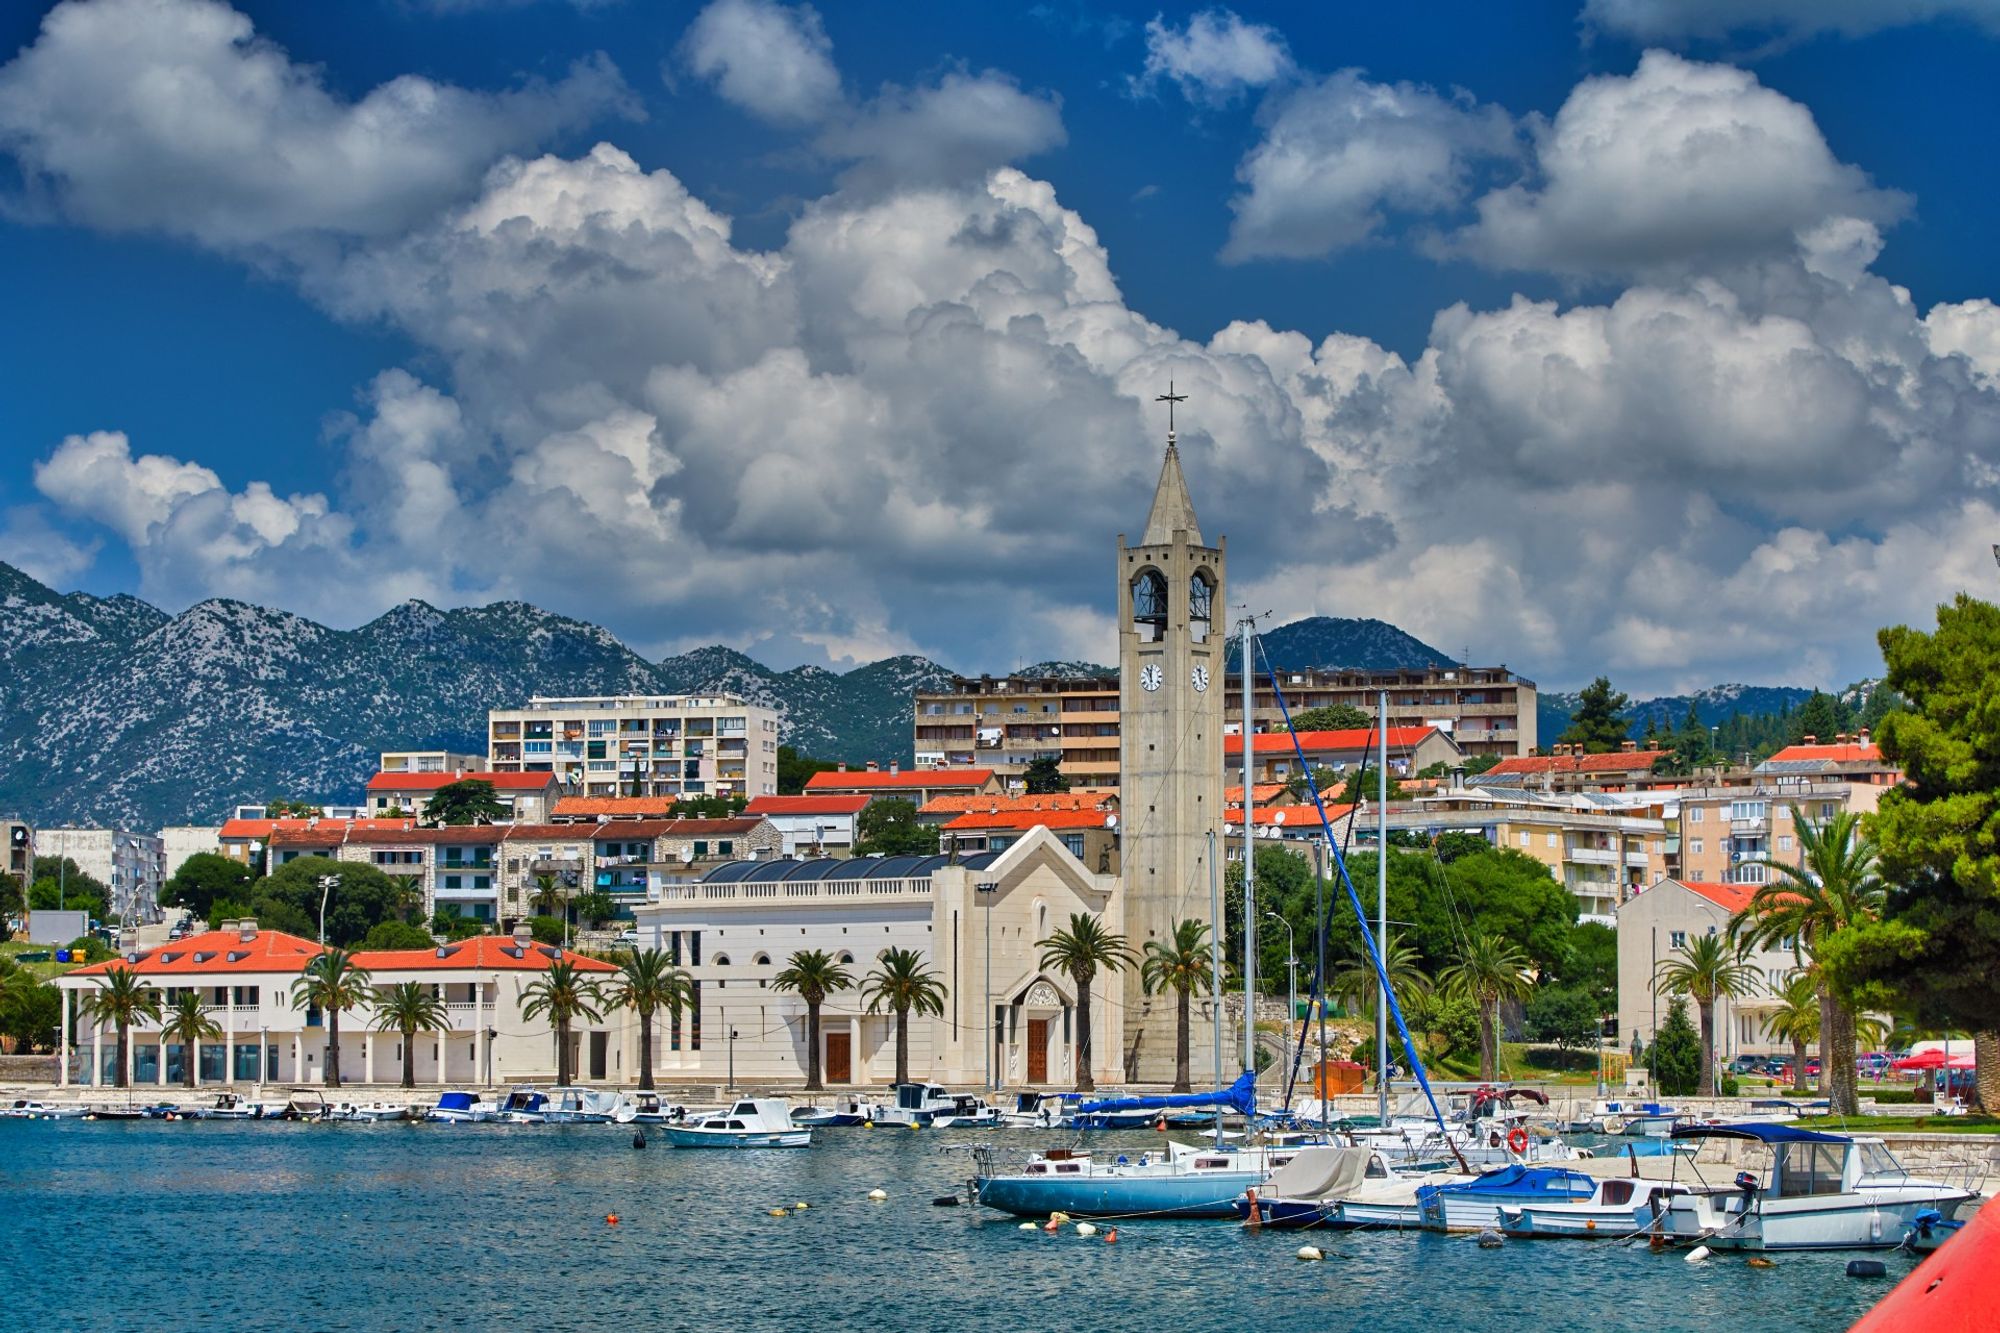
(1172, 637)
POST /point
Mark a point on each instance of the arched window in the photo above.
(762, 960)
(1149, 604)
(722, 960)
(1201, 604)
(846, 957)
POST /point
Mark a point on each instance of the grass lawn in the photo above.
(15, 948)
(1909, 1124)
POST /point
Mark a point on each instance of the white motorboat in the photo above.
(845, 1112)
(582, 1106)
(1177, 1180)
(648, 1108)
(759, 1122)
(462, 1108)
(27, 1108)
(917, 1104)
(366, 1113)
(1801, 1190)
(1621, 1207)
(1341, 1188)
(525, 1106)
(967, 1112)
(231, 1106)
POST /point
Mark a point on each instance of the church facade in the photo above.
(1172, 640)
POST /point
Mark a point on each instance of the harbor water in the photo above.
(258, 1225)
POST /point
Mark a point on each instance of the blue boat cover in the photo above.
(454, 1101)
(1540, 1181)
(1239, 1096)
(1760, 1131)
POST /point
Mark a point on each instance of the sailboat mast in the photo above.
(1382, 905)
(1215, 967)
(1249, 864)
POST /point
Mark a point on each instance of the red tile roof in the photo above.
(808, 805)
(591, 807)
(1291, 816)
(327, 835)
(1852, 752)
(669, 828)
(546, 832)
(433, 781)
(263, 828)
(1354, 738)
(216, 951)
(1732, 898)
(1027, 819)
(1618, 761)
(1260, 792)
(480, 951)
(1055, 800)
(903, 780)
(450, 834)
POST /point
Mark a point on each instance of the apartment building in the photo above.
(180, 841)
(641, 745)
(812, 825)
(1274, 756)
(525, 797)
(1662, 919)
(1731, 823)
(1007, 723)
(1486, 710)
(130, 865)
(1569, 769)
(430, 761)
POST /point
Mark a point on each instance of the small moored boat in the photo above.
(760, 1122)
(366, 1113)
(462, 1108)
(845, 1112)
(27, 1108)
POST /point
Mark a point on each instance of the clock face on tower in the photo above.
(1199, 678)
(1149, 676)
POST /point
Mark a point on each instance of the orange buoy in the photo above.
(1160, 1124)
(1111, 1236)
(611, 1219)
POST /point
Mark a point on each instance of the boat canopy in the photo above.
(1535, 1180)
(1239, 1096)
(454, 1101)
(1759, 1131)
(1320, 1173)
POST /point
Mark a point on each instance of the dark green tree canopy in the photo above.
(467, 801)
(1044, 776)
(1563, 1016)
(890, 828)
(1675, 1056)
(363, 899)
(795, 770)
(1595, 724)
(1332, 717)
(202, 879)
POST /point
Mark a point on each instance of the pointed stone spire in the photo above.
(1172, 510)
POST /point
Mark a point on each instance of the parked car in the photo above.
(628, 938)
(1747, 1064)
(1812, 1067)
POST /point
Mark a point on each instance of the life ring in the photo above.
(1517, 1139)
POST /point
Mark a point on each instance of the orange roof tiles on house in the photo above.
(810, 805)
(1851, 752)
(628, 807)
(1027, 819)
(1617, 761)
(235, 829)
(1054, 800)
(498, 952)
(671, 828)
(1260, 792)
(329, 835)
(902, 780)
(216, 951)
(1353, 738)
(433, 781)
(1303, 816)
(1732, 898)
(454, 834)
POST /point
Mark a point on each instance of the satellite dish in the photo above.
(1111, 821)
(1277, 816)
(687, 856)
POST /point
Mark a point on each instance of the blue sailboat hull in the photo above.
(1209, 1194)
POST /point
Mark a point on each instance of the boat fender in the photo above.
(1052, 1226)
(1490, 1239)
(868, 1124)
(1085, 1229)
(611, 1219)
(1310, 1253)
(877, 1195)
(800, 1207)
(1059, 1217)
(1027, 1226)
(639, 1140)
(1161, 1124)
(1698, 1255)
(778, 1212)
(949, 1201)
(1517, 1139)
(1759, 1261)
(1866, 1268)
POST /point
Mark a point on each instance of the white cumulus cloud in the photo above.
(1216, 58)
(773, 60)
(1666, 20)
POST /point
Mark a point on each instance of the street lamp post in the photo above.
(326, 883)
(1292, 977)
(988, 890)
(732, 1058)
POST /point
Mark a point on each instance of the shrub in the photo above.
(547, 929)
(397, 935)
(90, 949)
(1675, 1057)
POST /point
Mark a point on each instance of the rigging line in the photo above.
(1354, 901)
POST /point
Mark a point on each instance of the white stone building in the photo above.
(640, 745)
(180, 841)
(130, 865)
(812, 825)
(1654, 925)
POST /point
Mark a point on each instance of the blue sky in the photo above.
(1617, 337)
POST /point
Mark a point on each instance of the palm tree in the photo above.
(1796, 1021)
(814, 975)
(1356, 987)
(548, 895)
(1489, 970)
(332, 983)
(647, 983)
(1707, 968)
(406, 892)
(563, 994)
(1081, 951)
(1833, 888)
(410, 1007)
(901, 982)
(121, 998)
(187, 1024)
(1186, 968)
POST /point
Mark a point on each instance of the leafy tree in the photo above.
(1043, 776)
(1596, 724)
(187, 1023)
(563, 994)
(398, 935)
(814, 975)
(122, 999)
(409, 1007)
(466, 801)
(455, 925)
(280, 808)
(1454, 844)
(1082, 950)
(1489, 970)
(1284, 885)
(1362, 782)
(361, 898)
(1675, 1057)
(1332, 717)
(1568, 1017)
(12, 903)
(406, 895)
(648, 982)
(1512, 895)
(1708, 967)
(901, 982)
(548, 929)
(1821, 716)
(1796, 1021)
(1881, 702)
(595, 907)
(548, 894)
(1592, 964)
(890, 828)
(58, 883)
(1356, 987)
(1444, 1020)
(1184, 968)
(332, 983)
(795, 770)
(1301, 787)
(709, 807)
(30, 1008)
(202, 879)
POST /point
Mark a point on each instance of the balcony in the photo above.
(1753, 826)
(1639, 859)
(1592, 856)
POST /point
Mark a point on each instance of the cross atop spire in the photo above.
(1173, 510)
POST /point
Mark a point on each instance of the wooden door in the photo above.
(1038, 1051)
(839, 1057)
